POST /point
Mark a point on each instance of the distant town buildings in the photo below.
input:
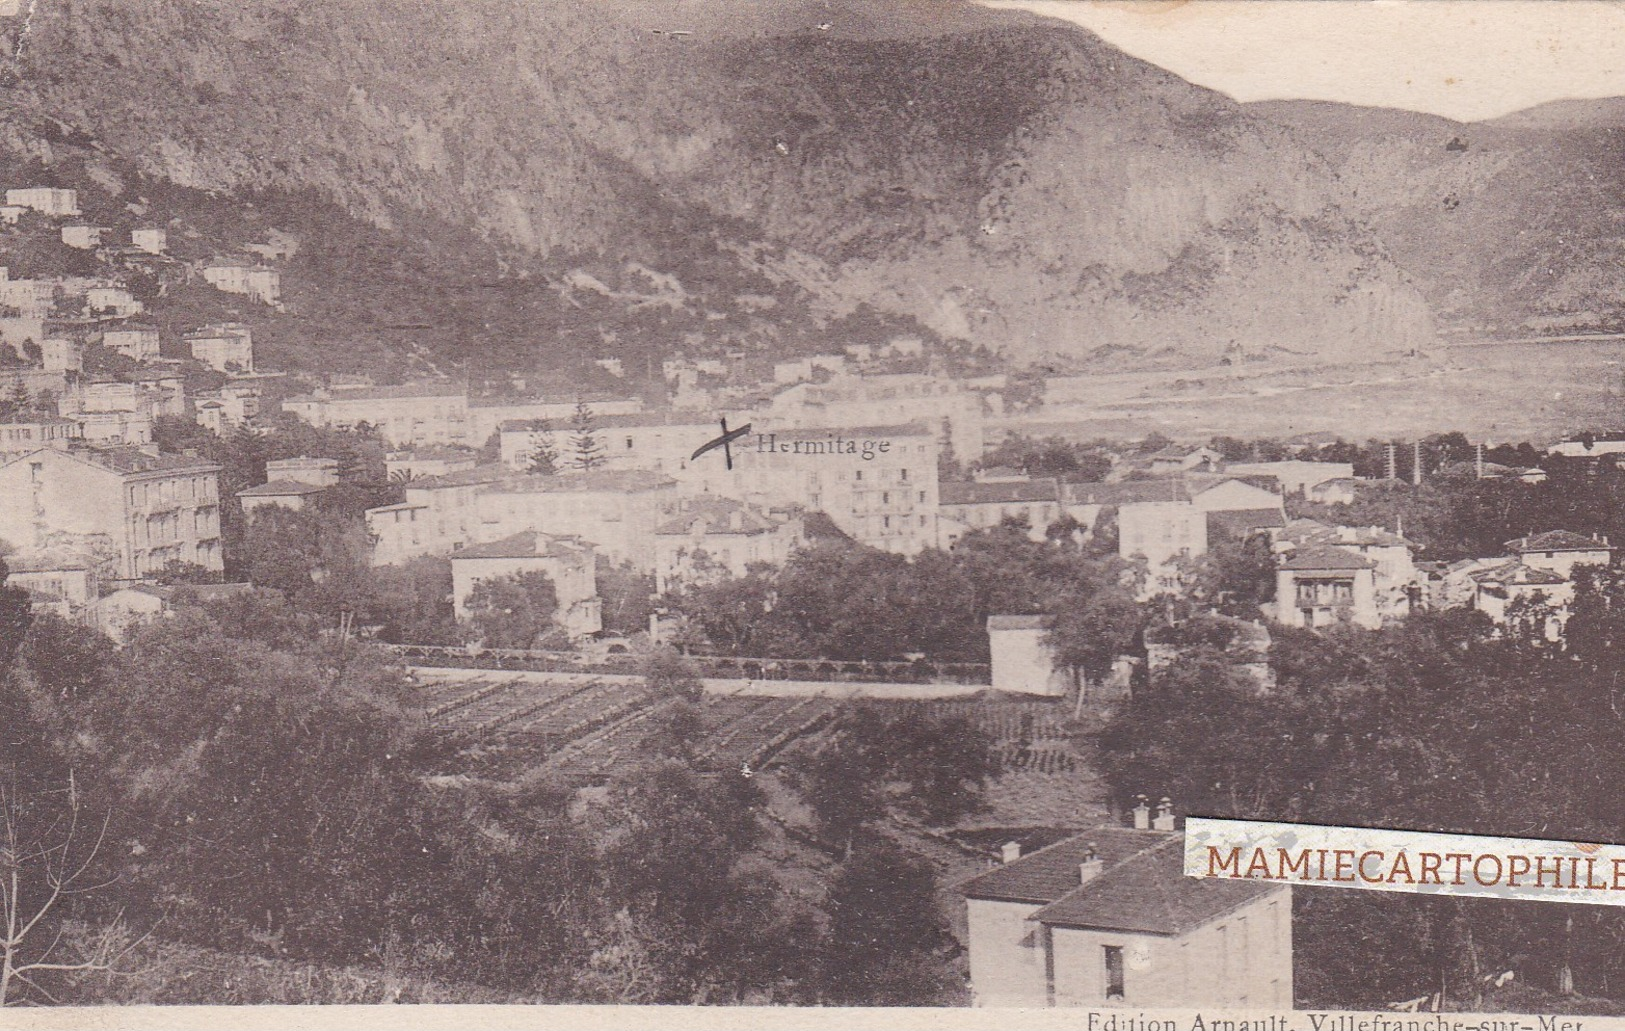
(139, 343)
(569, 563)
(709, 538)
(46, 200)
(142, 510)
(256, 281)
(223, 346)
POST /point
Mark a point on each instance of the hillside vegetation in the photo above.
(990, 176)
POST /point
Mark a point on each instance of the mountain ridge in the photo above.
(998, 178)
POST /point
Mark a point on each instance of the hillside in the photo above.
(1515, 224)
(998, 178)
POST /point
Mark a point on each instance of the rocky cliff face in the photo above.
(1513, 223)
(998, 178)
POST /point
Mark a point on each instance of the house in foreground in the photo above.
(1108, 918)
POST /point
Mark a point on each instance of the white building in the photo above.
(1023, 658)
(618, 511)
(146, 510)
(877, 484)
(223, 346)
(1109, 919)
(568, 562)
(137, 342)
(83, 237)
(46, 200)
(255, 281)
(712, 537)
(407, 416)
(150, 239)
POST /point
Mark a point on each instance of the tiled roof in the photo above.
(1050, 874)
(999, 492)
(1310, 532)
(430, 454)
(528, 544)
(1556, 540)
(614, 481)
(1241, 522)
(280, 489)
(131, 460)
(405, 390)
(1126, 492)
(716, 515)
(1149, 893)
(463, 477)
(1323, 557)
(1516, 574)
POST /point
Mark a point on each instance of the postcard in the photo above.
(803, 513)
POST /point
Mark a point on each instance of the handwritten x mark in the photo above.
(724, 442)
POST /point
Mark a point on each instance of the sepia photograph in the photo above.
(790, 506)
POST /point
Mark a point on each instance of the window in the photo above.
(904, 476)
(886, 522)
(1114, 971)
(628, 443)
(922, 495)
(858, 476)
(885, 497)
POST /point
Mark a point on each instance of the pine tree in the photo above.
(544, 457)
(584, 442)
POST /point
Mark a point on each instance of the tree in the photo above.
(587, 451)
(668, 674)
(543, 458)
(47, 857)
(885, 928)
(512, 611)
(627, 595)
(16, 613)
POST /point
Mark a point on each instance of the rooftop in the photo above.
(527, 544)
(130, 460)
(404, 390)
(280, 489)
(1556, 540)
(1127, 492)
(1244, 521)
(1051, 874)
(462, 477)
(613, 481)
(1516, 574)
(1310, 531)
(1317, 556)
(1148, 892)
(1039, 621)
(999, 492)
(716, 516)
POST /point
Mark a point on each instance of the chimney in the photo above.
(1009, 852)
(1091, 866)
(1164, 820)
(1142, 814)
